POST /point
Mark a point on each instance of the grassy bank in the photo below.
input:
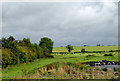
(17, 70)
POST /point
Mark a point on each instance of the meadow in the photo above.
(87, 48)
(14, 71)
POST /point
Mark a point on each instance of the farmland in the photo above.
(17, 71)
(87, 48)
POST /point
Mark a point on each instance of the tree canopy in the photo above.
(46, 42)
(23, 51)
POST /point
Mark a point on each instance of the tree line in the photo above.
(23, 51)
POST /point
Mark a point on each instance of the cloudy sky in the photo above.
(79, 23)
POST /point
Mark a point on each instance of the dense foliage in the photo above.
(46, 42)
(23, 51)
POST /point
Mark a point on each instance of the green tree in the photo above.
(20, 43)
(11, 38)
(4, 42)
(6, 57)
(27, 42)
(46, 42)
(69, 47)
(98, 44)
(39, 50)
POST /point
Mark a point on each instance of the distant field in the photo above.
(87, 48)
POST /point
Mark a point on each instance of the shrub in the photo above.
(105, 54)
(104, 69)
(90, 56)
(111, 51)
(81, 67)
(39, 50)
(6, 58)
(83, 50)
(108, 54)
(117, 69)
(22, 51)
(50, 56)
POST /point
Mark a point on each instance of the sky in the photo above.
(75, 23)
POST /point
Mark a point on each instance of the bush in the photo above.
(81, 68)
(22, 51)
(83, 50)
(108, 54)
(90, 56)
(104, 69)
(50, 56)
(6, 58)
(117, 69)
(111, 51)
(39, 50)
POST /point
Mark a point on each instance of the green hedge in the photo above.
(21, 51)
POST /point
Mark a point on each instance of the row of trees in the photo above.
(23, 51)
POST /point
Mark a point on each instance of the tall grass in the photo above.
(66, 71)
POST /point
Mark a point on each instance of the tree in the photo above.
(27, 42)
(98, 44)
(39, 51)
(69, 47)
(46, 42)
(11, 38)
(85, 45)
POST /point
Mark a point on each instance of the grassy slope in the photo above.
(17, 69)
(87, 48)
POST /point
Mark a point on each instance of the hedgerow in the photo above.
(22, 51)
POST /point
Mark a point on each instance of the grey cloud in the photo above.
(65, 23)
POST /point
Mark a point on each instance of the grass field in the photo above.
(87, 48)
(17, 70)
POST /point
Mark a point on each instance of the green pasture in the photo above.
(17, 70)
(87, 48)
